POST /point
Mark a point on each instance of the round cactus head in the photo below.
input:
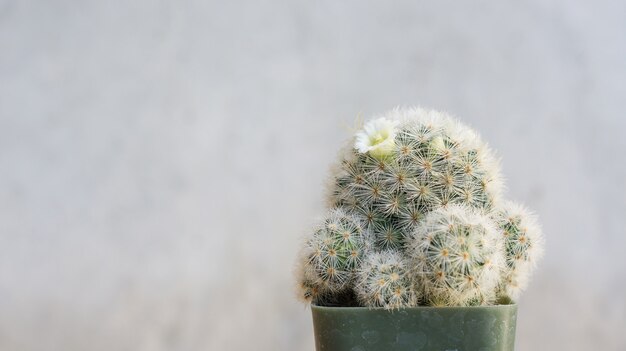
(457, 255)
(332, 254)
(385, 280)
(309, 288)
(523, 244)
(409, 162)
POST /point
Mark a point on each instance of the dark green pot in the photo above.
(481, 328)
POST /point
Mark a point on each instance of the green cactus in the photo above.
(309, 288)
(523, 243)
(384, 280)
(431, 161)
(416, 217)
(332, 255)
(457, 255)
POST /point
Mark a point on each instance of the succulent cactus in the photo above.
(332, 254)
(523, 243)
(312, 290)
(384, 280)
(457, 254)
(309, 288)
(415, 161)
(416, 217)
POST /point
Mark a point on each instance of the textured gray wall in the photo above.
(159, 160)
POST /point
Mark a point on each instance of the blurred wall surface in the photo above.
(161, 160)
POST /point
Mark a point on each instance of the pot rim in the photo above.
(416, 308)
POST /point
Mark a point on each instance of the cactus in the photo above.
(384, 280)
(523, 243)
(431, 161)
(416, 217)
(309, 288)
(457, 254)
(332, 255)
(312, 290)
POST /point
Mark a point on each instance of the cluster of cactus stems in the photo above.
(416, 217)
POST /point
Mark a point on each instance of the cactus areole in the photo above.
(417, 224)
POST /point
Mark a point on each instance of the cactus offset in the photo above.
(384, 280)
(332, 254)
(523, 243)
(457, 254)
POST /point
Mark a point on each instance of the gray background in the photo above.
(160, 160)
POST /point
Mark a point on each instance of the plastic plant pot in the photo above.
(480, 328)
